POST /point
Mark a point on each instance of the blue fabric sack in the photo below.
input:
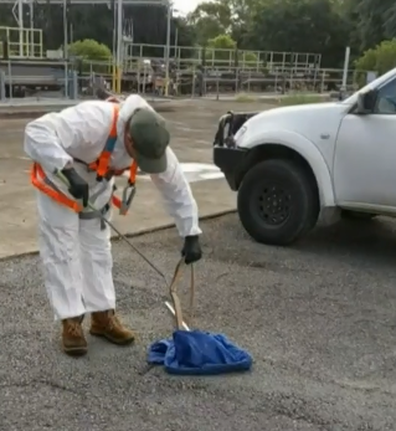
(199, 353)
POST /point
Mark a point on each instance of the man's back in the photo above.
(82, 130)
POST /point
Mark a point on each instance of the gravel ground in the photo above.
(319, 319)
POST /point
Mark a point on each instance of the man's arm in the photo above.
(178, 197)
(42, 145)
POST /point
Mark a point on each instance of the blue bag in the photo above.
(199, 353)
(196, 352)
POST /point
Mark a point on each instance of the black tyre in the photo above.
(278, 202)
(355, 215)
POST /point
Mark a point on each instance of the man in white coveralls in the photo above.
(89, 144)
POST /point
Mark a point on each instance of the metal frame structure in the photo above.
(32, 42)
(18, 14)
(220, 57)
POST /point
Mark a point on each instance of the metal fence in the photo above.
(184, 56)
(61, 79)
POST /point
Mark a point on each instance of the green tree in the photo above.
(242, 13)
(210, 19)
(313, 26)
(231, 17)
(96, 21)
(371, 21)
(379, 59)
(222, 50)
(89, 49)
(318, 26)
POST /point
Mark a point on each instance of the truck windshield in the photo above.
(379, 82)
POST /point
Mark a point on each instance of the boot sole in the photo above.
(75, 351)
(112, 340)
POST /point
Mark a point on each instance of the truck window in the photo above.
(386, 103)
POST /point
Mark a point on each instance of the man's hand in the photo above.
(78, 186)
(191, 250)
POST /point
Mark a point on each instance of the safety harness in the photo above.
(103, 172)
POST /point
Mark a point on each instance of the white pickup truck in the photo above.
(291, 165)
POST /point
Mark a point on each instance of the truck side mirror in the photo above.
(366, 102)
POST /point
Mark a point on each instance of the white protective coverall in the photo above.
(76, 253)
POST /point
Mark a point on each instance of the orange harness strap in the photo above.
(132, 173)
(116, 201)
(38, 174)
(101, 166)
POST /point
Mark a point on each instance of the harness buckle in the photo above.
(128, 194)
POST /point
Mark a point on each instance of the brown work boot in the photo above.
(73, 339)
(106, 324)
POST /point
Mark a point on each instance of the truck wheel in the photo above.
(277, 202)
(356, 215)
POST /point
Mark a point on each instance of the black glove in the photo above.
(191, 250)
(78, 186)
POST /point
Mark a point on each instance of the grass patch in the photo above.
(287, 100)
(245, 98)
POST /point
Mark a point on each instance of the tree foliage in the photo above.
(314, 26)
(89, 49)
(210, 20)
(225, 49)
(374, 21)
(380, 59)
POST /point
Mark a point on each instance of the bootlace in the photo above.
(74, 329)
(114, 322)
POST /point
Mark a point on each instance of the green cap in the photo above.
(150, 139)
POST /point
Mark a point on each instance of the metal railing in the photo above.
(21, 43)
(212, 57)
(26, 78)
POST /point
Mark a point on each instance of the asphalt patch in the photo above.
(319, 319)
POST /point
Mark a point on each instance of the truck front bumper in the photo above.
(226, 155)
(229, 161)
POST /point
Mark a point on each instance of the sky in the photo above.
(185, 6)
